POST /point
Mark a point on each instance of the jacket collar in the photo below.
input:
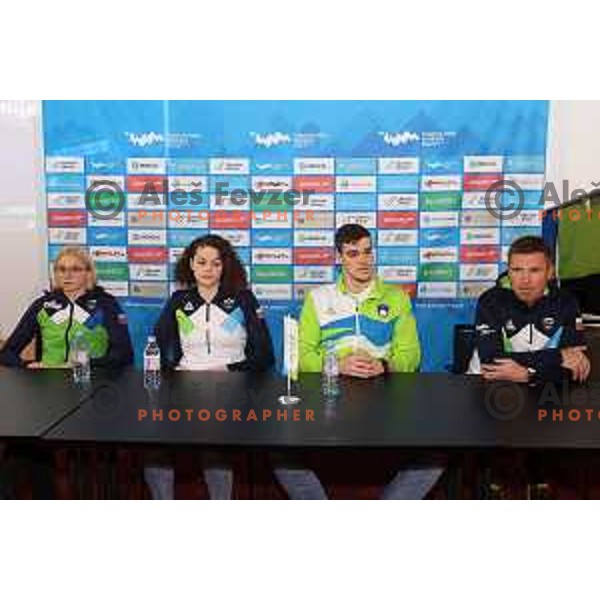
(88, 295)
(220, 296)
(376, 290)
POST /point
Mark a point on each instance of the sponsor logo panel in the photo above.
(64, 164)
(271, 291)
(313, 274)
(397, 274)
(67, 236)
(479, 272)
(436, 289)
(398, 202)
(147, 289)
(148, 272)
(398, 237)
(368, 219)
(439, 255)
(271, 256)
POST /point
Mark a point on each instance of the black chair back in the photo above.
(464, 344)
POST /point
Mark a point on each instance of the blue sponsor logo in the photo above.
(397, 256)
(355, 202)
(510, 234)
(356, 166)
(181, 237)
(397, 183)
(441, 165)
(187, 166)
(65, 182)
(102, 236)
(233, 182)
(272, 238)
(104, 166)
(274, 167)
(437, 238)
(532, 163)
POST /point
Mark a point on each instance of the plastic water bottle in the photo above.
(80, 358)
(151, 364)
(330, 384)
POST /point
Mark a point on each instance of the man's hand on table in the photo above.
(360, 365)
(505, 369)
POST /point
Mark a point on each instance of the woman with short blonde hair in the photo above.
(74, 305)
(79, 255)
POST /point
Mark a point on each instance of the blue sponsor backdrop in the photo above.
(358, 150)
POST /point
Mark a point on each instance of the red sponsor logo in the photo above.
(397, 220)
(230, 219)
(314, 256)
(137, 183)
(147, 255)
(479, 254)
(480, 182)
(67, 218)
(324, 184)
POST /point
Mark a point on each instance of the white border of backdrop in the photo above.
(300, 50)
(298, 551)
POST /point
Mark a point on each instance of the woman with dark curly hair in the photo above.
(214, 323)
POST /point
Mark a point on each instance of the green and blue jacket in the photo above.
(382, 325)
(54, 321)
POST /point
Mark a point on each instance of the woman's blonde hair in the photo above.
(83, 257)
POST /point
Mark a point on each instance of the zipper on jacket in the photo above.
(356, 326)
(67, 344)
(208, 328)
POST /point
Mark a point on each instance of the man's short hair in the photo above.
(350, 234)
(529, 244)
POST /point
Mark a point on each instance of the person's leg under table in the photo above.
(218, 474)
(299, 482)
(412, 483)
(159, 475)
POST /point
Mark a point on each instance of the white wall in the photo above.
(574, 144)
(573, 153)
(22, 218)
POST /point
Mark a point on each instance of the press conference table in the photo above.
(31, 402)
(439, 412)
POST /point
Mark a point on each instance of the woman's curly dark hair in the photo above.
(233, 278)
